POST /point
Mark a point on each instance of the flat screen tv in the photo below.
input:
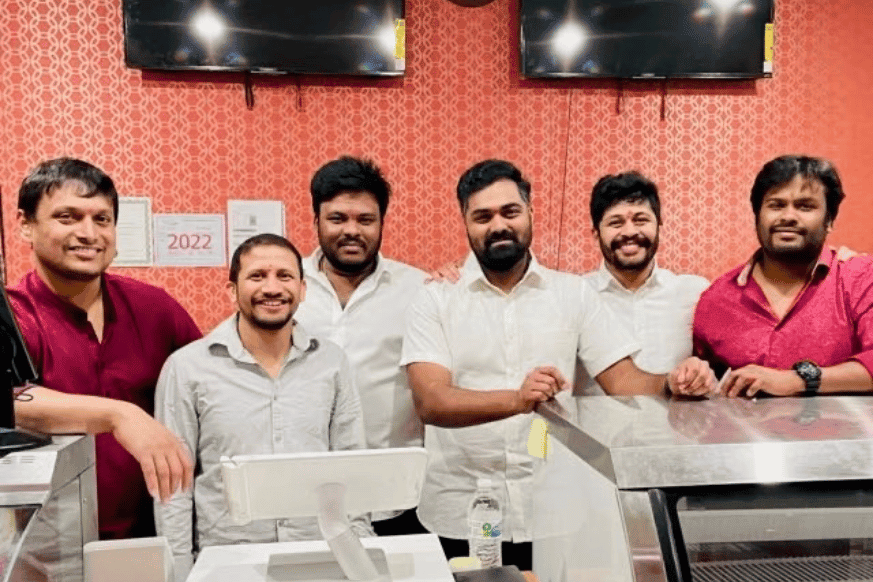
(646, 38)
(346, 37)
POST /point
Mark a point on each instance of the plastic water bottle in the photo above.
(485, 521)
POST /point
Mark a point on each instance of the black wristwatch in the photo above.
(810, 373)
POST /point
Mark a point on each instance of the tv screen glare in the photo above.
(347, 37)
(645, 38)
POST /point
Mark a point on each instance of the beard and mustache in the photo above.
(612, 256)
(353, 267)
(501, 258)
(804, 251)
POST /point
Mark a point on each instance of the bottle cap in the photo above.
(483, 483)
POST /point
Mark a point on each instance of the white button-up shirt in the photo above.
(660, 314)
(370, 331)
(490, 341)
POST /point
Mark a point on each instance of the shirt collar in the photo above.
(822, 266)
(603, 279)
(312, 266)
(226, 335)
(46, 297)
(472, 274)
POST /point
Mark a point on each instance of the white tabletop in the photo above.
(248, 562)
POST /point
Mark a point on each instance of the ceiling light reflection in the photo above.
(387, 38)
(208, 25)
(569, 40)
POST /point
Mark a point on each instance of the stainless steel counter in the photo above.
(645, 442)
(648, 489)
(48, 510)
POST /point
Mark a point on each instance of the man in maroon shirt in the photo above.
(795, 319)
(99, 342)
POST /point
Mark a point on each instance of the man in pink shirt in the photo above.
(98, 342)
(794, 319)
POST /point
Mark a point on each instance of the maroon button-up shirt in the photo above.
(143, 325)
(830, 322)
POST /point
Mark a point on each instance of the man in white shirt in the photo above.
(357, 298)
(258, 384)
(657, 305)
(481, 353)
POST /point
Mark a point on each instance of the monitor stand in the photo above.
(347, 559)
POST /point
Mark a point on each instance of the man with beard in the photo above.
(258, 384)
(357, 298)
(483, 352)
(655, 303)
(794, 319)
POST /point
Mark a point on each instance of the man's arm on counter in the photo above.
(747, 381)
(441, 403)
(165, 463)
(623, 378)
(691, 377)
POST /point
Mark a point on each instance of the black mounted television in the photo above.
(343, 37)
(646, 38)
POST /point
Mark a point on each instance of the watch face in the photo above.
(807, 370)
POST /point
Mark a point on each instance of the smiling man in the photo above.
(794, 319)
(483, 352)
(357, 298)
(98, 341)
(656, 304)
(258, 384)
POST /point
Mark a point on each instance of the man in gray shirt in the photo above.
(258, 384)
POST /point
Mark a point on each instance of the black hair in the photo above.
(261, 240)
(486, 173)
(625, 187)
(53, 174)
(348, 174)
(780, 171)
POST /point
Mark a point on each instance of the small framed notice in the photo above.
(246, 218)
(189, 240)
(134, 226)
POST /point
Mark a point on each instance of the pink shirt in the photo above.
(830, 322)
(143, 325)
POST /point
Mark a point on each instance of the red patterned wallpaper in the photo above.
(190, 144)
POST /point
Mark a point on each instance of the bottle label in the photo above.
(487, 530)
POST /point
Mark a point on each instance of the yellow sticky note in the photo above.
(538, 439)
(768, 43)
(399, 38)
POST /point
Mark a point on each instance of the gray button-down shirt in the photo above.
(214, 396)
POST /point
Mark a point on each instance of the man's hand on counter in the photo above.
(692, 377)
(749, 380)
(165, 460)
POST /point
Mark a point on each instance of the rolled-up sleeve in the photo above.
(174, 407)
